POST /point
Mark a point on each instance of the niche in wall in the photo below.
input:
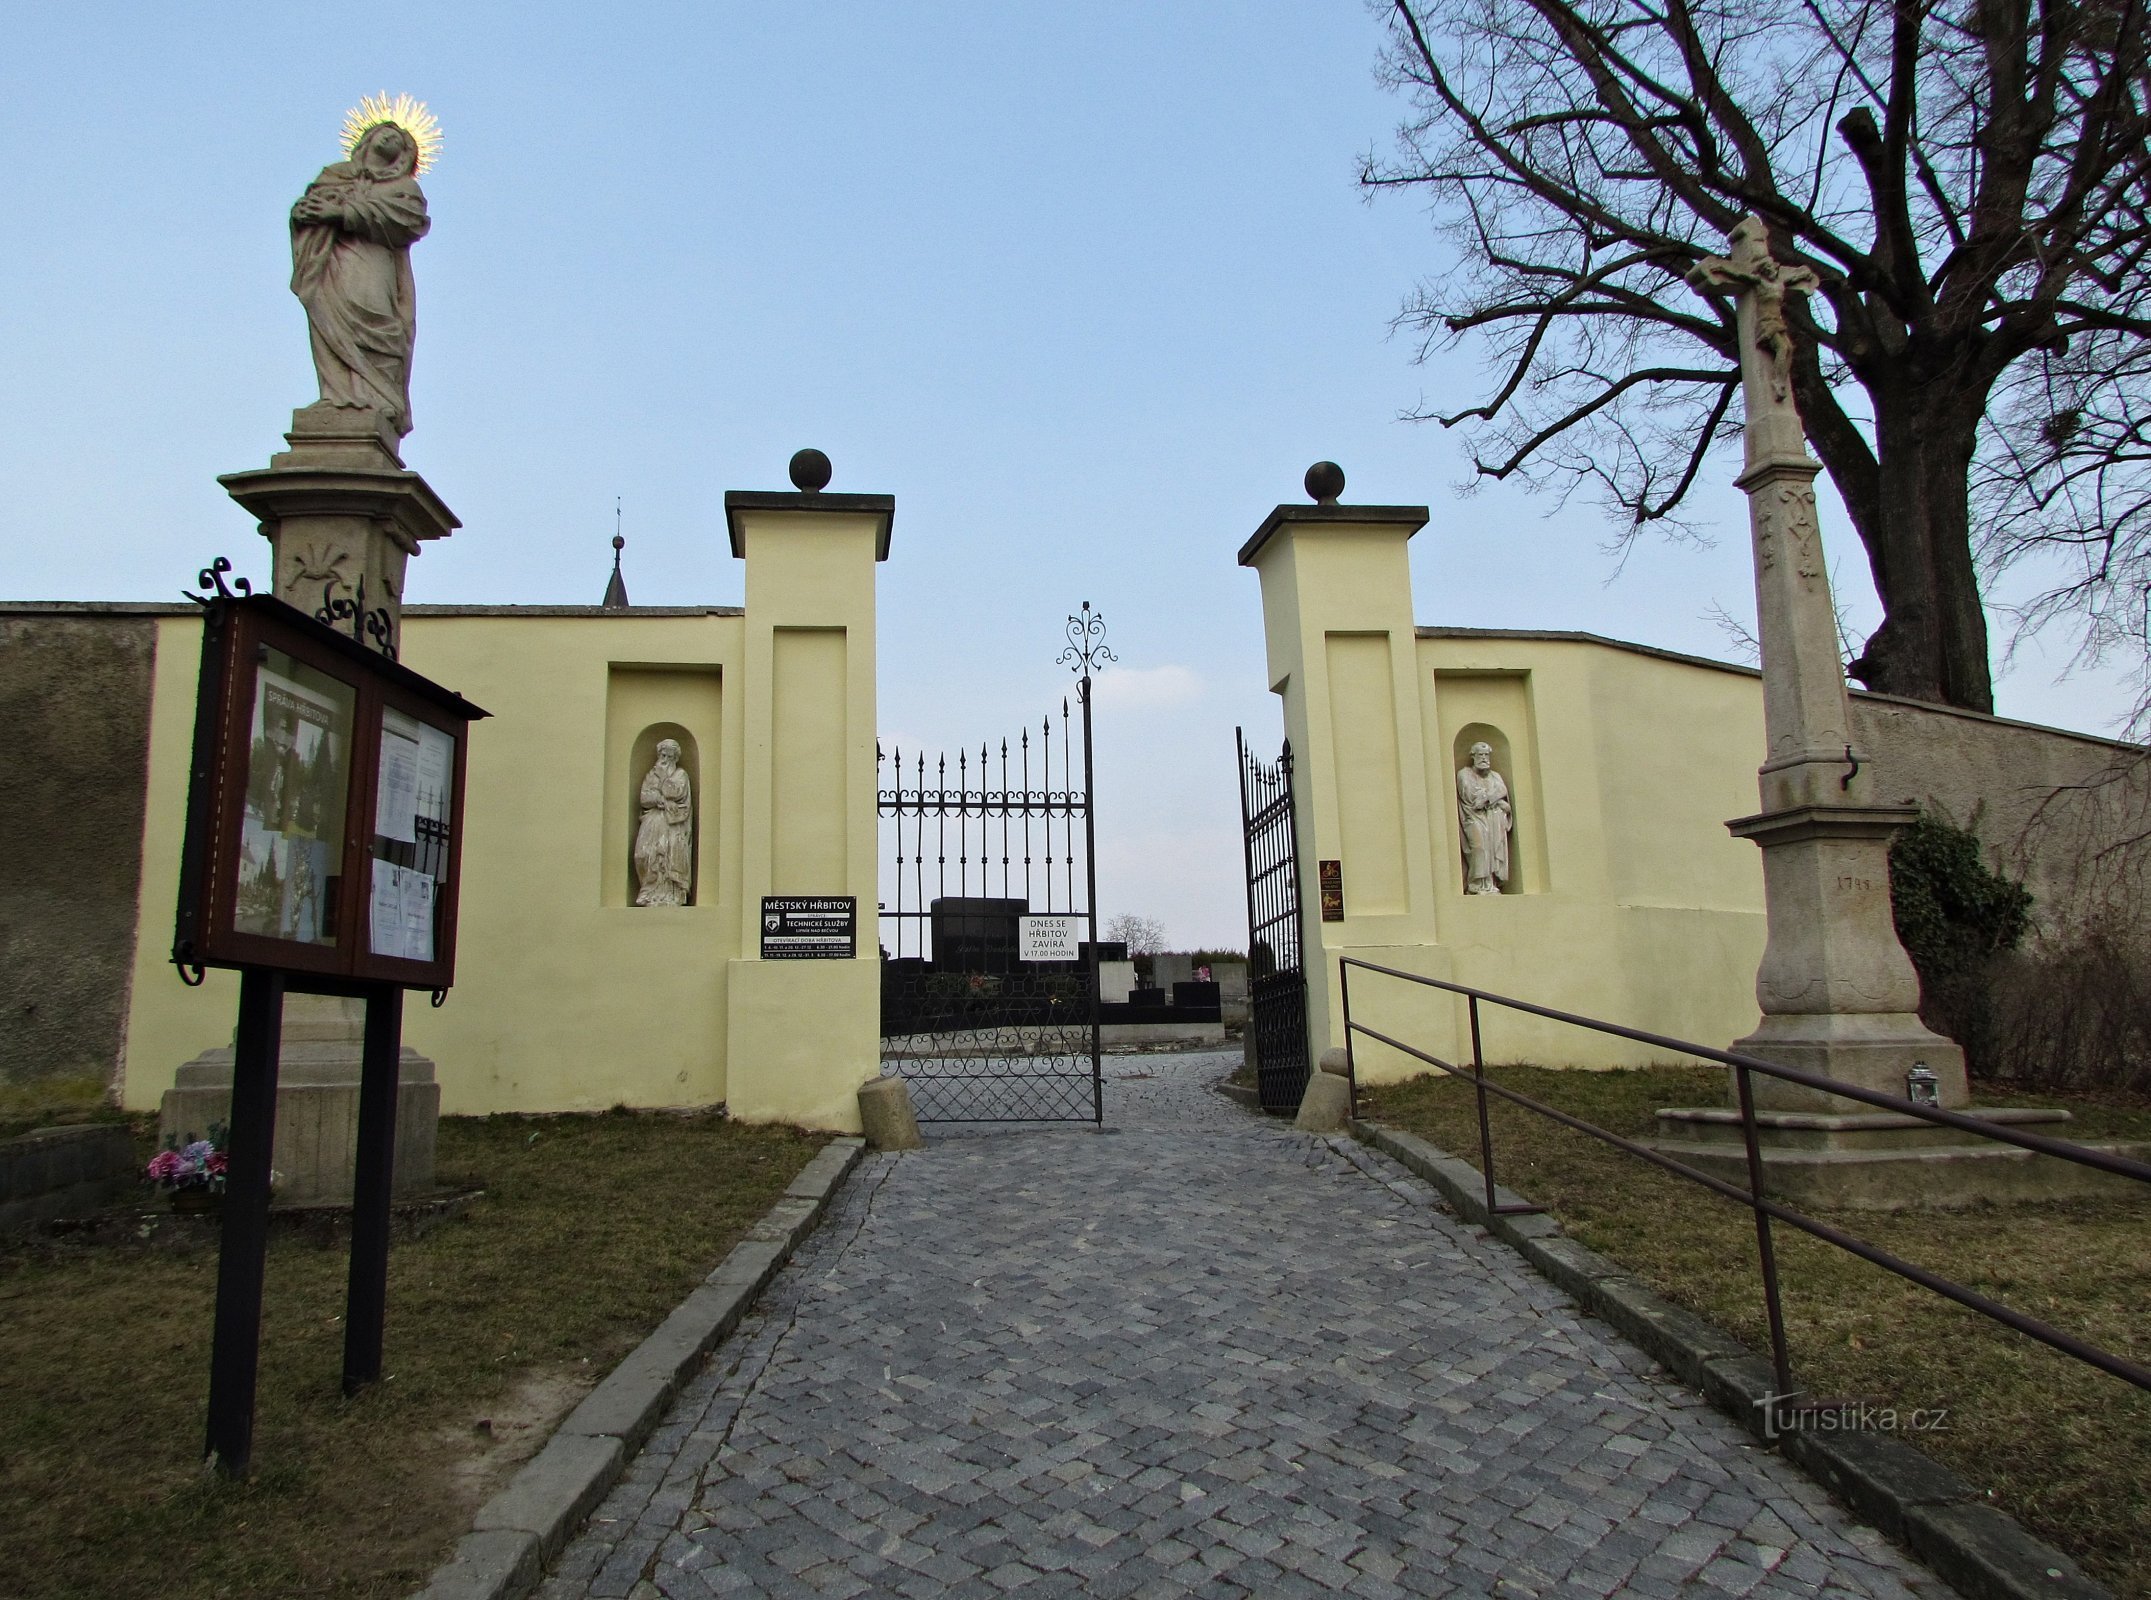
(1476, 704)
(644, 706)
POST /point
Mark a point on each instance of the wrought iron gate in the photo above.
(1276, 978)
(980, 1023)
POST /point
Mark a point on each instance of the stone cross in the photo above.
(1838, 995)
(1805, 712)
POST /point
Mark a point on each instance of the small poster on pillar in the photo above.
(324, 818)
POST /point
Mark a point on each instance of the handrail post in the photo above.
(1780, 1360)
(1478, 1080)
(1351, 1077)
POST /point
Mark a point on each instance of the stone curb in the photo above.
(1911, 1498)
(525, 1525)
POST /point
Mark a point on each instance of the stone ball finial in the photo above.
(810, 471)
(1325, 481)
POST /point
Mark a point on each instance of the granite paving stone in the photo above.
(1199, 1353)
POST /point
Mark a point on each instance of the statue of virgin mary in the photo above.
(351, 238)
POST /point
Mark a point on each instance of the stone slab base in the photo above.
(316, 1120)
(1717, 1126)
(1902, 1180)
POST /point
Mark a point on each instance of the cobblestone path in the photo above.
(1199, 1354)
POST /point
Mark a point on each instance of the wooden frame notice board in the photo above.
(324, 834)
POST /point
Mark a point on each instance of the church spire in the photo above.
(616, 591)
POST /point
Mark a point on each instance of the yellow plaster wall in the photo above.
(1629, 899)
(567, 997)
(1370, 796)
(804, 1035)
(809, 731)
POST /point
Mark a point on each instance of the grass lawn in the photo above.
(591, 1229)
(2060, 1446)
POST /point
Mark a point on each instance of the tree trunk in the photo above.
(1932, 644)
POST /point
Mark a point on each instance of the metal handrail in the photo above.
(1765, 1210)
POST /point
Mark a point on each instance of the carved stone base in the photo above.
(316, 1104)
(342, 516)
(1872, 1050)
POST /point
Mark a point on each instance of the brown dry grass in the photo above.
(2061, 1446)
(590, 1231)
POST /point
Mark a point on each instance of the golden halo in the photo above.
(408, 114)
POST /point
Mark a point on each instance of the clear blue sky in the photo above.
(1085, 287)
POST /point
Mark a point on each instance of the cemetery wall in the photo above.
(1627, 897)
(74, 698)
(2044, 802)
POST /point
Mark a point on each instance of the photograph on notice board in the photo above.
(291, 836)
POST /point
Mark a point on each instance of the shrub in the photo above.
(1956, 917)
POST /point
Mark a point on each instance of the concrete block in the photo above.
(751, 1263)
(1881, 1476)
(1984, 1555)
(629, 1403)
(1567, 1264)
(886, 1113)
(1326, 1105)
(549, 1498)
(1741, 1386)
(818, 1179)
(1681, 1342)
(786, 1222)
(502, 1565)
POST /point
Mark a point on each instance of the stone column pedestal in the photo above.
(343, 515)
(1838, 994)
(317, 1100)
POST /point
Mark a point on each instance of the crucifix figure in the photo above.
(1751, 271)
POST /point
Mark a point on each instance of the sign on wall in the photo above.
(809, 927)
(1051, 938)
(1331, 876)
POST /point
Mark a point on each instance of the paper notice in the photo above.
(387, 918)
(402, 912)
(436, 771)
(395, 812)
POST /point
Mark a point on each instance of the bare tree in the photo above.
(1142, 935)
(1968, 179)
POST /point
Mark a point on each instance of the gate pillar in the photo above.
(1343, 655)
(803, 1034)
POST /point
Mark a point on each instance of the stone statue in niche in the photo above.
(351, 238)
(1484, 818)
(665, 839)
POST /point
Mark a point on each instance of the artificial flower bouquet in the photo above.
(190, 1164)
